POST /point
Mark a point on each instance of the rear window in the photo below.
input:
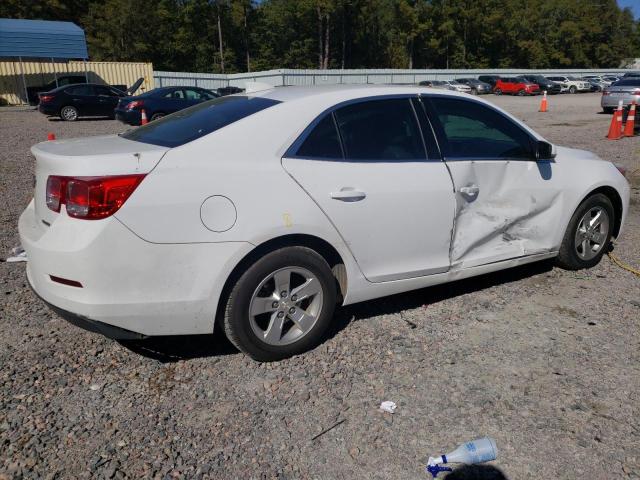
(197, 121)
(630, 81)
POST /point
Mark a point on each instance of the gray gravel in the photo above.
(545, 361)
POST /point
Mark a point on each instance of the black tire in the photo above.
(573, 89)
(568, 257)
(69, 113)
(521, 93)
(497, 91)
(474, 91)
(608, 109)
(237, 320)
(156, 116)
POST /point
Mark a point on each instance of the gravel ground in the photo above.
(544, 360)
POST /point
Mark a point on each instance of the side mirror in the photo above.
(545, 151)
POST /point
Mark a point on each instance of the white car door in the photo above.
(508, 203)
(365, 164)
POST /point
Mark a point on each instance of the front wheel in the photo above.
(282, 305)
(573, 89)
(497, 91)
(521, 93)
(588, 234)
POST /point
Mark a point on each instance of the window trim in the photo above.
(432, 114)
(291, 152)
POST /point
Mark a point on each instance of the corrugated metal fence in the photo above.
(331, 77)
(41, 73)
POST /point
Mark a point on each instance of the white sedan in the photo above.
(258, 213)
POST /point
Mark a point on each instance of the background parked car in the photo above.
(574, 85)
(598, 78)
(515, 86)
(457, 86)
(440, 84)
(627, 90)
(596, 85)
(222, 91)
(160, 102)
(80, 100)
(545, 84)
(32, 92)
(477, 87)
(490, 79)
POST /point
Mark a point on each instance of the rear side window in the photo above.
(322, 142)
(380, 130)
(80, 90)
(197, 121)
(472, 130)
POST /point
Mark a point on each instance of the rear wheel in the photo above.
(497, 91)
(157, 115)
(608, 109)
(588, 234)
(521, 93)
(69, 113)
(281, 305)
(474, 91)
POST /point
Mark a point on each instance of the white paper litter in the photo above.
(388, 406)
(18, 255)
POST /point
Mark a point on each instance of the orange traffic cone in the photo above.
(543, 102)
(143, 118)
(615, 129)
(51, 136)
(631, 121)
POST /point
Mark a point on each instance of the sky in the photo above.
(634, 4)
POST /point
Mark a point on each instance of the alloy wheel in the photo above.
(592, 232)
(286, 305)
(69, 113)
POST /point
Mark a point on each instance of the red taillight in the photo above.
(636, 92)
(46, 98)
(90, 198)
(135, 104)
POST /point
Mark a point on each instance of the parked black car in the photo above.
(490, 79)
(478, 87)
(159, 102)
(63, 80)
(551, 87)
(222, 91)
(80, 100)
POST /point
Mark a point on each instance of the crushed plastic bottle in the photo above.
(477, 451)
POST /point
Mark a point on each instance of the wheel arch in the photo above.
(319, 245)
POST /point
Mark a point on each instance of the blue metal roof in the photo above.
(41, 39)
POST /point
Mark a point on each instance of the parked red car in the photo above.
(515, 86)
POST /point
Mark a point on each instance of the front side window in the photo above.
(194, 122)
(323, 141)
(380, 130)
(472, 130)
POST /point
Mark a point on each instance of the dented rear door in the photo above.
(508, 204)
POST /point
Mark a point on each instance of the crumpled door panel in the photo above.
(514, 212)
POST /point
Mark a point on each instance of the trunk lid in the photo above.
(89, 157)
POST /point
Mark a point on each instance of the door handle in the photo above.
(348, 195)
(470, 190)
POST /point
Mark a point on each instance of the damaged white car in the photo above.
(258, 213)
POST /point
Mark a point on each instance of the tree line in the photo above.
(248, 35)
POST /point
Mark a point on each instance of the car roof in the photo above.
(332, 93)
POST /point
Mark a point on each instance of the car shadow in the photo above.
(84, 119)
(170, 349)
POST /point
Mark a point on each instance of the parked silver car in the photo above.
(627, 90)
(477, 87)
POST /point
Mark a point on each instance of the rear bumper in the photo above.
(611, 101)
(130, 117)
(127, 283)
(48, 109)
